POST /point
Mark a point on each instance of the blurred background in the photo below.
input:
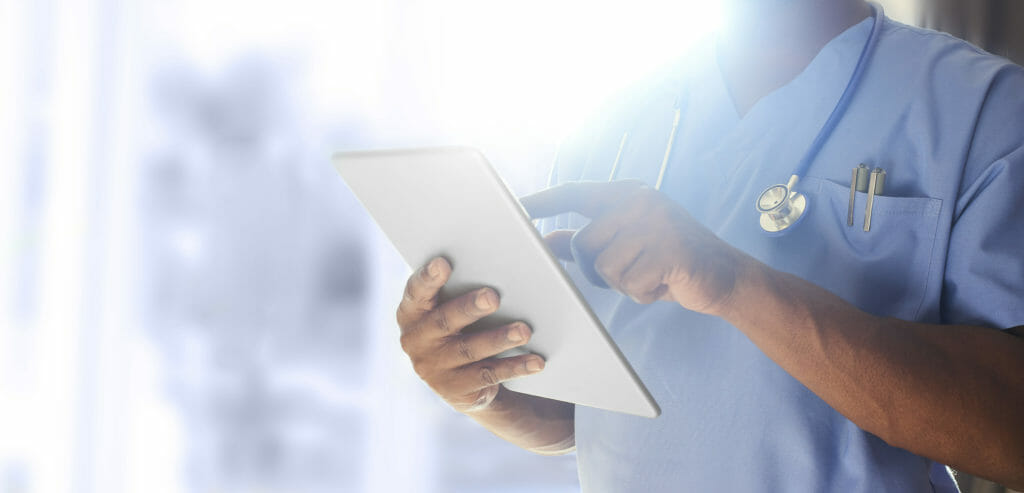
(190, 298)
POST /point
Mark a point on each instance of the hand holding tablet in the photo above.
(449, 203)
(459, 365)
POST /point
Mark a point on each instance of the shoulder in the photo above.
(947, 80)
(950, 61)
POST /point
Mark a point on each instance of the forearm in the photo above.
(951, 393)
(540, 425)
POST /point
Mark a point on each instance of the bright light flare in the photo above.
(537, 67)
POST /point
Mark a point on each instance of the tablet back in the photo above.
(449, 202)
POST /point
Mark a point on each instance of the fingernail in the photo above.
(534, 365)
(433, 270)
(485, 299)
(516, 334)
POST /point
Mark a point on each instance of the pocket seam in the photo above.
(889, 203)
(928, 271)
(931, 209)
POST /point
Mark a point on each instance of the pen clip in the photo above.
(875, 187)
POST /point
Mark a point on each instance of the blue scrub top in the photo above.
(944, 119)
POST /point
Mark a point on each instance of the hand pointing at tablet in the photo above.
(640, 243)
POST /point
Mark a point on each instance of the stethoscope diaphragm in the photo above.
(781, 207)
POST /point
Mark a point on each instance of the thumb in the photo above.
(558, 242)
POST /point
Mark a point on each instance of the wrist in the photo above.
(540, 425)
(734, 274)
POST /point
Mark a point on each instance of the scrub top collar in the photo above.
(798, 109)
(832, 65)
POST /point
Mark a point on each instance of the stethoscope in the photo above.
(781, 206)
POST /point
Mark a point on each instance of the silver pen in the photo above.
(858, 183)
(875, 187)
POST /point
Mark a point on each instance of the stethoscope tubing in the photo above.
(802, 167)
(844, 100)
(819, 141)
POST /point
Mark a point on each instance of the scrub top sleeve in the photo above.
(984, 278)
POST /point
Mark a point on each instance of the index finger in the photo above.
(591, 198)
(421, 290)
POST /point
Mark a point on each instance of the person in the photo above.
(829, 358)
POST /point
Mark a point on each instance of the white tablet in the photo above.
(450, 202)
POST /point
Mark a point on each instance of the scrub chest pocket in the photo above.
(884, 270)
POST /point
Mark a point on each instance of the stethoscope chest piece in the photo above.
(781, 207)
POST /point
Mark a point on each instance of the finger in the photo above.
(591, 239)
(421, 291)
(591, 199)
(584, 252)
(559, 243)
(616, 258)
(643, 280)
(454, 315)
(492, 371)
(469, 348)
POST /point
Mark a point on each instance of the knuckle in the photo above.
(603, 266)
(405, 340)
(400, 317)
(488, 377)
(637, 293)
(441, 321)
(440, 386)
(442, 390)
(419, 366)
(632, 284)
(429, 370)
(415, 326)
(406, 320)
(464, 349)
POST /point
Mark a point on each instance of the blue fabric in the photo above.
(945, 120)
